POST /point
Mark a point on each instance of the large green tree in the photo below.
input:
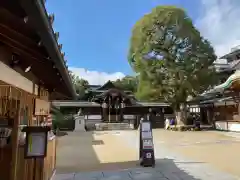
(80, 84)
(171, 57)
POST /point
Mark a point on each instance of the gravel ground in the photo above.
(179, 156)
(87, 151)
(218, 149)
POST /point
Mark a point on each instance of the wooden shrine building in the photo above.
(32, 71)
(220, 105)
(114, 105)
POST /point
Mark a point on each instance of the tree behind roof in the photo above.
(80, 84)
(128, 83)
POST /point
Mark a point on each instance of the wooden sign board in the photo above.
(42, 107)
(36, 141)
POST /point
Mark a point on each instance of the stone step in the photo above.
(112, 126)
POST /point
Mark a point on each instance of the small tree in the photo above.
(80, 84)
(172, 58)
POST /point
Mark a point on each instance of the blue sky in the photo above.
(95, 33)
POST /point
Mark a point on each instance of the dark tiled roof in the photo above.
(233, 53)
(37, 12)
(107, 85)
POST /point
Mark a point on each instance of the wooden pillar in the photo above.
(122, 107)
(104, 110)
(14, 139)
(121, 115)
(110, 105)
(213, 115)
(101, 113)
(238, 108)
(161, 112)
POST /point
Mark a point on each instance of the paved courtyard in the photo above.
(87, 151)
(179, 156)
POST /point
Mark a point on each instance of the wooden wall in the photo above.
(50, 160)
(24, 167)
(5, 162)
(26, 100)
(44, 169)
(226, 113)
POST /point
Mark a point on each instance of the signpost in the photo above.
(146, 149)
(36, 144)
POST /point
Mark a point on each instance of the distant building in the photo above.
(232, 64)
(112, 104)
(220, 105)
(94, 92)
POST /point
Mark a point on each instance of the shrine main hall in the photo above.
(114, 105)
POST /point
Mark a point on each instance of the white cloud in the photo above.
(95, 77)
(219, 23)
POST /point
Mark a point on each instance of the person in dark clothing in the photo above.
(172, 122)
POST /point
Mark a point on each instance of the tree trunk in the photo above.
(181, 116)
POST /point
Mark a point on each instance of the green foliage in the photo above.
(171, 57)
(79, 84)
(63, 119)
(128, 83)
(57, 119)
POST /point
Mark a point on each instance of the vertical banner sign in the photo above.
(110, 106)
(146, 149)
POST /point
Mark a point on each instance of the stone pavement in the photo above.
(169, 166)
(129, 174)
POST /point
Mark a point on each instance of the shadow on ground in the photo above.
(165, 169)
(76, 154)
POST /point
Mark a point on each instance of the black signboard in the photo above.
(146, 149)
